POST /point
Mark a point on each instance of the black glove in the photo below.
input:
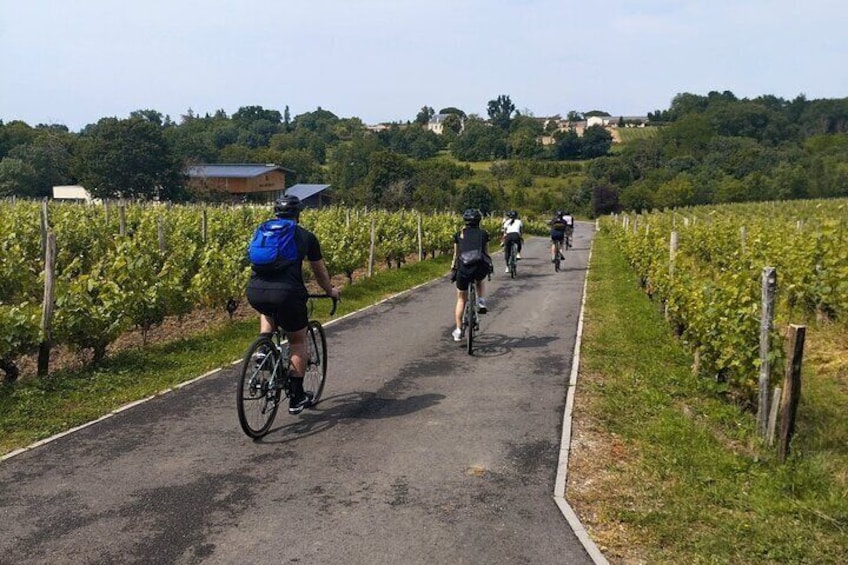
(453, 275)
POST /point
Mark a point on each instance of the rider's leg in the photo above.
(265, 324)
(481, 289)
(461, 297)
(299, 351)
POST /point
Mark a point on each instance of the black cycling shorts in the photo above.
(288, 309)
(465, 275)
(557, 235)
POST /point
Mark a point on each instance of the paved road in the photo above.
(418, 453)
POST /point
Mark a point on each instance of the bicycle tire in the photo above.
(471, 315)
(513, 268)
(557, 257)
(316, 367)
(257, 401)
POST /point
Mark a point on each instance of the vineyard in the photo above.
(122, 266)
(705, 265)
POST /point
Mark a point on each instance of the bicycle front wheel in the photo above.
(257, 397)
(316, 367)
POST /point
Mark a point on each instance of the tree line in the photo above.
(719, 148)
(144, 156)
(710, 148)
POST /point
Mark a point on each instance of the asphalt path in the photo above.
(418, 452)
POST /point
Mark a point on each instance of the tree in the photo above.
(574, 116)
(425, 115)
(452, 124)
(568, 144)
(479, 142)
(128, 158)
(151, 116)
(500, 112)
(13, 134)
(384, 169)
(454, 111)
(596, 142)
(49, 155)
(477, 196)
(17, 178)
(604, 200)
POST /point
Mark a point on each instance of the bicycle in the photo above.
(470, 317)
(512, 261)
(557, 255)
(266, 374)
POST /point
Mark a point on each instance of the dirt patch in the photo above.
(596, 461)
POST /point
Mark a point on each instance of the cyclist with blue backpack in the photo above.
(276, 288)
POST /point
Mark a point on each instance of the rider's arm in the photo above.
(319, 268)
(322, 277)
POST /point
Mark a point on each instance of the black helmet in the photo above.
(287, 207)
(560, 213)
(472, 216)
(512, 214)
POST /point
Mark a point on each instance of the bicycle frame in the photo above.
(512, 252)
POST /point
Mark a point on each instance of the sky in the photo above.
(73, 62)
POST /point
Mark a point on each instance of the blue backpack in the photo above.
(273, 246)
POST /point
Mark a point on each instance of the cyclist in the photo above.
(569, 228)
(512, 229)
(281, 295)
(471, 263)
(559, 225)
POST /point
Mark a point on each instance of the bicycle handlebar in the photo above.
(335, 301)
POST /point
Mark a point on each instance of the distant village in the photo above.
(610, 123)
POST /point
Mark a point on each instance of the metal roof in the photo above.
(304, 191)
(233, 171)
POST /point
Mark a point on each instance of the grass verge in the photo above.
(664, 471)
(34, 409)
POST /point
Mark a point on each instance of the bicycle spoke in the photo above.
(257, 397)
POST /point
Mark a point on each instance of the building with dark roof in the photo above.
(312, 195)
(239, 180)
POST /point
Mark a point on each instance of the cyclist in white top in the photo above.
(512, 229)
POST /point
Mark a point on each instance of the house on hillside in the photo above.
(72, 192)
(437, 123)
(615, 121)
(312, 195)
(264, 183)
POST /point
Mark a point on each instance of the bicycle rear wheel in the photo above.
(557, 257)
(257, 397)
(316, 367)
(512, 260)
(470, 316)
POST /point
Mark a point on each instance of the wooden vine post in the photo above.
(769, 287)
(47, 305)
(420, 240)
(791, 387)
(122, 215)
(204, 222)
(371, 248)
(45, 226)
(160, 230)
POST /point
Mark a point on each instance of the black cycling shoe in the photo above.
(298, 403)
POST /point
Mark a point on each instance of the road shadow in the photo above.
(494, 345)
(335, 410)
